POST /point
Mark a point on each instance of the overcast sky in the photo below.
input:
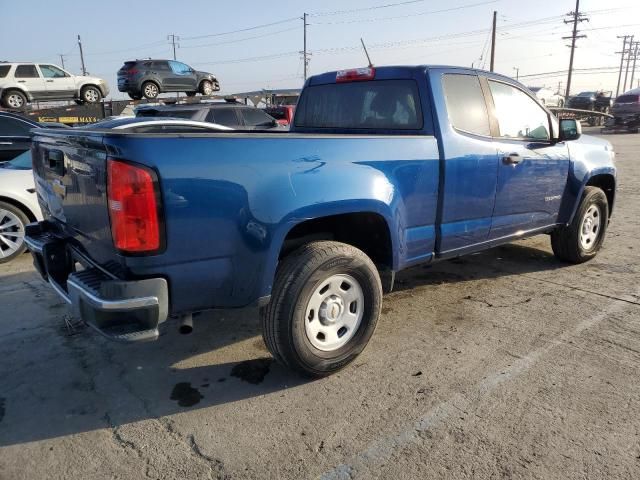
(415, 32)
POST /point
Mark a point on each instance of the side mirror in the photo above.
(570, 129)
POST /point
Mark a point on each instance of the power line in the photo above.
(365, 9)
(241, 39)
(249, 59)
(411, 15)
(255, 27)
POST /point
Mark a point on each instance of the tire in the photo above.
(150, 90)
(574, 243)
(334, 277)
(206, 87)
(14, 99)
(90, 94)
(12, 226)
(190, 94)
(135, 96)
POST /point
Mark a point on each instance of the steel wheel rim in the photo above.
(11, 233)
(15, 100)
(91, 95)
(590, 227)
(334, 312)
(150, 90)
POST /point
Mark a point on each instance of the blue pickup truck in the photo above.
(383, 169)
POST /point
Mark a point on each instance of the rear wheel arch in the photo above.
(26, 210)
(7, 91)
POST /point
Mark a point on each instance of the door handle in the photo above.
(512, 159)
(49, 81)
(22, 81)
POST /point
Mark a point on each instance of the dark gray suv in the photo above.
(235, 115)
(150, 78)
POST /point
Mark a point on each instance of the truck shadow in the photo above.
(58, 382)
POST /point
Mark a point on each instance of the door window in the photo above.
(519, 116)
(49, 71)
(179, 68)
(4, 69)
(223, 116)
(26, 71)
(465, 104)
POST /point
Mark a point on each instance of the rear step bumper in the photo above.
(126, 311)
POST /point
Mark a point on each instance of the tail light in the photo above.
(133, 207)
(132, 71)
(355, 75)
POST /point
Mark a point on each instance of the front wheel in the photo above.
(12, 226)
(583, 237)
(206, 87)
(325, 305)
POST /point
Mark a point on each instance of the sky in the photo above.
(253, 45)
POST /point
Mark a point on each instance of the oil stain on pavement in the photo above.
(185, 394)
(252, 371)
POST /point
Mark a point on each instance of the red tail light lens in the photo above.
(132, 71)
(355, 75)
(132, 207)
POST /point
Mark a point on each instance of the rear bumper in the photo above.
(127, 311)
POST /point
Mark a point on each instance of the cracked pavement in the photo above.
(503, 364)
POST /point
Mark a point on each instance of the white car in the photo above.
(23, 82)
(548, 97)
(19, 205)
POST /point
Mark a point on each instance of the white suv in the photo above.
(26, 82)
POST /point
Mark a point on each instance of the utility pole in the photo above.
(84, 70)
(626, 73)
(62, 60)
(577, 17)
(493, 41)
(305, 57)
(624, 50)
(635, 57)
(173, 39)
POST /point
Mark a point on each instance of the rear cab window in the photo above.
(4, 70)
(361, 106)
(466, 105)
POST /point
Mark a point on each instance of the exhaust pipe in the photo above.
(186, 324)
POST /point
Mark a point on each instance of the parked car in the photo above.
(598, 101)
(24, 82)
(150, 78)
(18, 205)
(548, 97)
(14, 134)
(384, 169)
(235, 115)
(282, 113)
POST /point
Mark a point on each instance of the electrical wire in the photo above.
(243, 39)
(430, 12)
(255, 27)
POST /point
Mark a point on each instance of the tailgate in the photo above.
(71, 182)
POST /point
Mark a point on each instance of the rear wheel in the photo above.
(135, 96)
(14, 99)
(325, 305)
(150, 90)
(90, 94)
(582, 239)
(12, 226)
